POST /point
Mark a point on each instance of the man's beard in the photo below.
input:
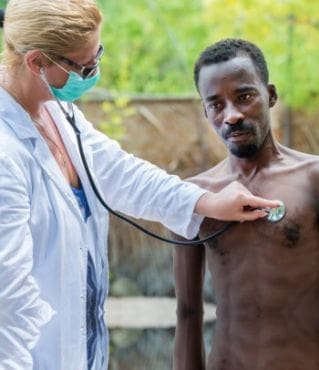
(241, 150)
(244, 151)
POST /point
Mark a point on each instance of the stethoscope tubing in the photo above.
(196, 242)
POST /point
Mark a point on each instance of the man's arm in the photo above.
(189, 271)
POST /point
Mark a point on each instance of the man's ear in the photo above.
(273, 97)
(34, 61)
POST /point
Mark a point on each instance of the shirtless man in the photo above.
(265, 275)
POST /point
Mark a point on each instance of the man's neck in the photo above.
(246, 169)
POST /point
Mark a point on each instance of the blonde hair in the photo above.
(56, 27)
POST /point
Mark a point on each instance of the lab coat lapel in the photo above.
(70, 142)
(98, 214)
(49, 165)
(21, 124)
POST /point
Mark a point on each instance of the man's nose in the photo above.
(232, 114)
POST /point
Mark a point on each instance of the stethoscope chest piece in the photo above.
(277, 214)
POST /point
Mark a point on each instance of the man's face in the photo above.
(237, 104)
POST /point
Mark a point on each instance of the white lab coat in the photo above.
(44, 239)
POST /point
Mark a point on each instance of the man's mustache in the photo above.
(238, 127)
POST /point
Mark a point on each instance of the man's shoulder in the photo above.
(304, 166)
(211, 178)
(299, 156)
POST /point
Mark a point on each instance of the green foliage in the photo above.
(288, 33)
(116, 112)
(152, 44)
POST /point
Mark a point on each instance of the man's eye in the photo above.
(214, 105)
(245, 96)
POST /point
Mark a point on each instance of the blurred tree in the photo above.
(116, 110)
(151, 45)
(288, 33)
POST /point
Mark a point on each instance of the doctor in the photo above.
(53, 230)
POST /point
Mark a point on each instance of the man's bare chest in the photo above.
(284, 251)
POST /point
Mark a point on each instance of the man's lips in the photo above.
(238, 135)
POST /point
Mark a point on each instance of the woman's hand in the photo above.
(234, 203)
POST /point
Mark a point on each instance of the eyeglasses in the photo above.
(85, 72)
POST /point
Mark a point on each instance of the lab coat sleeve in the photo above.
(142, 190)
(22, 312)
(139, 189)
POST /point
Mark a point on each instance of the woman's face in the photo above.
(56, 73)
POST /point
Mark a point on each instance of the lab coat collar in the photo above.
(16, 116)
(21, 124)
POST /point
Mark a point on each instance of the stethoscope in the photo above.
(274, 214)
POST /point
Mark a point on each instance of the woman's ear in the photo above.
(34, 61)
(273, 97)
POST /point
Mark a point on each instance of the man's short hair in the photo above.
(227, 49)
